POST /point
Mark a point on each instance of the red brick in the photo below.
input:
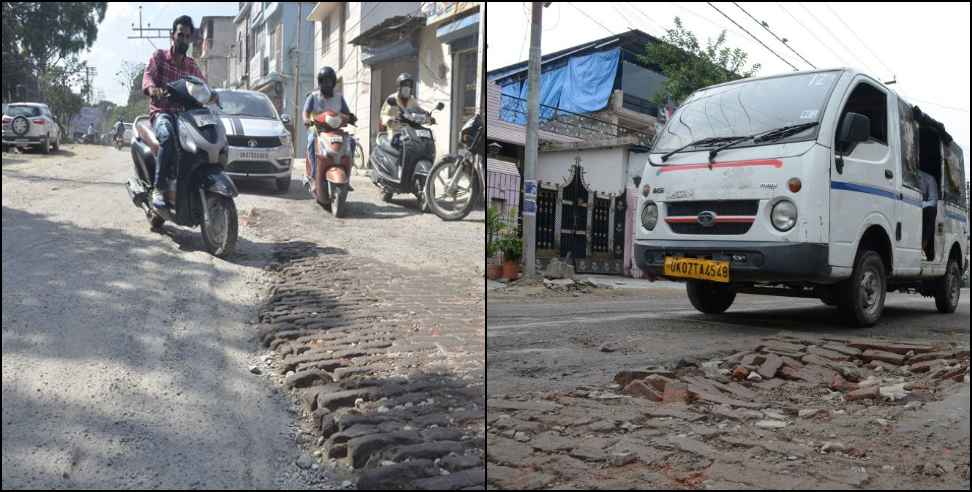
(676, 392)
(930, 357)
(787, 372)
(925, 366)
(740, 373)
(658, 382)
(842, 349)
(897, 348)
(889, 357)
(828, 354)
(624, 378)
(869, 393)
(838, 383)
(642, 390)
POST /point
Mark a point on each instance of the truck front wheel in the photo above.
(862, 296)
(710, 298)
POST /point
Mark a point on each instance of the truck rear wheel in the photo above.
(710, 298)
(948, 289)
(862, 296)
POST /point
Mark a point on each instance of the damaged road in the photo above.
(767, 396)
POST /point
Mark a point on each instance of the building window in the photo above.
(325, 34)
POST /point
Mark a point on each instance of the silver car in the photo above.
(259, 143)
(30, 125)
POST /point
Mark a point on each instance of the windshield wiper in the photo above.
(766, 136)
(704, 141)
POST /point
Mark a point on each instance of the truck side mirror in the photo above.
(854, 128)
(637, 181)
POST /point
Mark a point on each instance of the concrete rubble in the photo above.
(791, 413)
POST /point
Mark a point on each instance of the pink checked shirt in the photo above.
(161, 70)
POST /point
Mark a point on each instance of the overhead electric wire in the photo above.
(864, 65)
(852, 31)
(754, 37)
(782, 41)
(814, 36)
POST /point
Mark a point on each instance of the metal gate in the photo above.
(575, 222)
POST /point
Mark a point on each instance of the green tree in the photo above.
(689, 66)
(38, 36)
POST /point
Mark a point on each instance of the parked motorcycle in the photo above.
(333, 152)
(118, 141)
(458, 180)
(204, 193)
(405, 170)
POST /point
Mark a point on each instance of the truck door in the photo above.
(862, 177)
(907, 240)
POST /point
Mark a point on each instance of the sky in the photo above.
(113, 47)
(924, 46)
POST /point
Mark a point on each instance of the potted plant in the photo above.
(512, 249)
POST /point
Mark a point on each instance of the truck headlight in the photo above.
(649, 216)
(784, 215)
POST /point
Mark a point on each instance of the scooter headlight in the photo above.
(784, 215)
(649, 216)
(199, 91)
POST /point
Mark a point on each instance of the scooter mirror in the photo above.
(392, 102)
(438, 107)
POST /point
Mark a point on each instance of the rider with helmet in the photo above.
(405, 96)
(322, 100)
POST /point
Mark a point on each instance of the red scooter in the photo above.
(331, 184)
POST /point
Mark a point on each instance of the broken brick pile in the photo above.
(860, 369)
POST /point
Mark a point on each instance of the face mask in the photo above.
(181, 48)
(406, 92)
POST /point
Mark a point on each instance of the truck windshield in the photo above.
(710, 116)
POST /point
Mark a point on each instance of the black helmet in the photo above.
(326, 80)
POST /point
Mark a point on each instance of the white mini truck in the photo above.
(804, 185)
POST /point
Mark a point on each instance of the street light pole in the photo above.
(532, 141)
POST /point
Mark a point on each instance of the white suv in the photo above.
(30, 125)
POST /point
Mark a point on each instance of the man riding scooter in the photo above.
(390, 114)
(166, 66)
(321, 101)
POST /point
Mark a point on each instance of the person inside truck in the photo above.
(929, 206)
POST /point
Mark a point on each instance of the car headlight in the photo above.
(285, 139)
(784, 215)
(649, 216)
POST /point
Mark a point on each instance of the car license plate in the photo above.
(713, 271)
(424, 133)
(335, 140)
(255, 156)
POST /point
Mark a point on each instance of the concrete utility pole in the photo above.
(481, 59)
(532, 141)
(296, 138)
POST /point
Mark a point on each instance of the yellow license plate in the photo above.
(713, 271)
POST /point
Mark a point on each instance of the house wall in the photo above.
(605, 169)
(434, 85)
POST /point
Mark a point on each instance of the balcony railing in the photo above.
(569, 124)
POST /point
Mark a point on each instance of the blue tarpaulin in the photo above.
(583, 85)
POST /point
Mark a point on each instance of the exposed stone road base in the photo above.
(386, 364)
(701, 430)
